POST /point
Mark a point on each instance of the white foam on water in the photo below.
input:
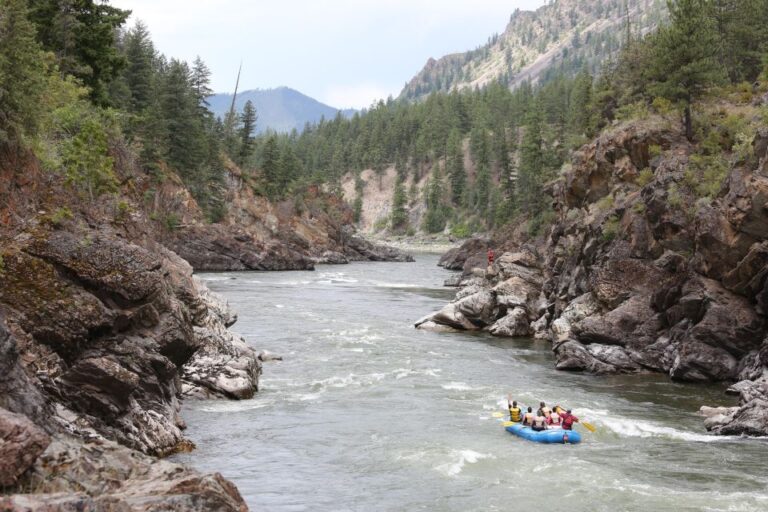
(457, 386)
(358, 350)
(460, 459)
(402, 373)
(245, 405)
(215, 278)
(279, 306)
(379, 284)
(640, 428)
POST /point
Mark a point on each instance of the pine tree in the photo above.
(579, 115)
(270, 166)
(399, 217)
(435, 218)
(139, 70)
(457, 174)
(686, 56)
(82, 34)
(530, 176)
(201, 82)
(22, 74)
(247, 128)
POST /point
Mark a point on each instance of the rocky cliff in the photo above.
(102, 331)
(642, 271)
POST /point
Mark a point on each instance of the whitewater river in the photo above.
(366, 413)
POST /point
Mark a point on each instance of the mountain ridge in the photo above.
(280, 109)
(563, 35)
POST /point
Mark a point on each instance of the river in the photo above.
(366, 413)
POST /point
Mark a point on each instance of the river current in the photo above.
(366, 413)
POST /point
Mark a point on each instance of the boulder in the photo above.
(106, 476)
(514, 324)
(634, 323)
(516, 293)
(579, 308)
(456, 258)
(573, 356)
(699, 362)
(21, 443)
(749, 420)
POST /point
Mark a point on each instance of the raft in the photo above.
(557, 435)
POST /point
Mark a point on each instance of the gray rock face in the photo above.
(514, 324)
(223, 365)
(98, 338)
(21, 442)
(71, 475)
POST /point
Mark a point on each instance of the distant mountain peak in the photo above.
(280, 109)
(564, 35)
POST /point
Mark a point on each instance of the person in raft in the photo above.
(568, 420)
(515, 412)
(554, 419)
(528, 418)
(543, 410)
(539, 423)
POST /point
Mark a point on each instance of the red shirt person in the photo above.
(490, 256)
(568, 420)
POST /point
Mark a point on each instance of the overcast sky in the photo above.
(344, 53)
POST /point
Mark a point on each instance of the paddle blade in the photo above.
(498, 415)
(588, 426)
(508, 423)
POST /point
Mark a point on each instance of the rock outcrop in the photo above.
(640, 276)
(101, 330)
(258, 234)
(103, 475)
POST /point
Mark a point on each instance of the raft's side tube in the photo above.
(558, 436)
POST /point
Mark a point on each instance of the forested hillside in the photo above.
(562, 37)
(489, 153)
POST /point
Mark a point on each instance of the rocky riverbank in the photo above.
(100, 337)
(638, 274)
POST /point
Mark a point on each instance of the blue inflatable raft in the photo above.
(556, 435)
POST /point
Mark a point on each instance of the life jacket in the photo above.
(515, 414)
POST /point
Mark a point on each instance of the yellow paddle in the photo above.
(498, 415)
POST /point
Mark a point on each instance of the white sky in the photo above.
(342, 52)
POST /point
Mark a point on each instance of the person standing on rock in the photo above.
(490, 256)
